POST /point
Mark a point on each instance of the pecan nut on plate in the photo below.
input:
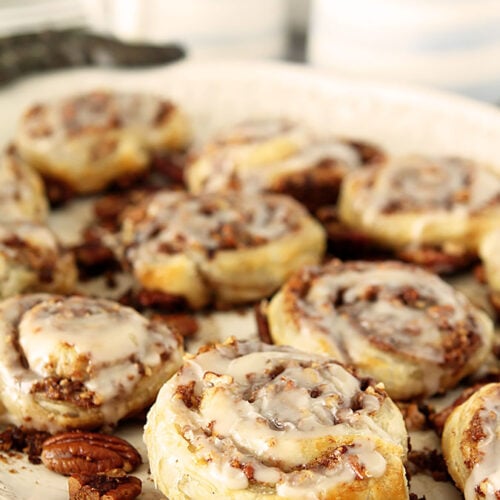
(88, 453)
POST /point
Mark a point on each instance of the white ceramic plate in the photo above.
(402, 119)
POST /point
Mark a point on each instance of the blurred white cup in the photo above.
(453, 44)
(206, 28)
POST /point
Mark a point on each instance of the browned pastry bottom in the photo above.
(350, 244)
(103, 487)
(59, 193)
(437, 260)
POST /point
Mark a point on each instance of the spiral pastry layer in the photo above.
(22, 195)
(418, 202)
(394, 322)
(249, 420)
(32, 259)
(76, 362)
(87, 141)
(471, 444)
(281, 157)
(229, 248)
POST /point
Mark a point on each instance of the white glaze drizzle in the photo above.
(308, 154)
(257, 401)
(94, 111)
(411, 331)
(192, 224)
(421, 184)
(259, 131)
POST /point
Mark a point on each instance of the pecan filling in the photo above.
(67, 390)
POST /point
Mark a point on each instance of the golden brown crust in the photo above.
(470, 440)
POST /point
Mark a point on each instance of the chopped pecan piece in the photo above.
(93, 257)
(26, 440)
(416, 416)
(429, 462)
(103, 487)
(88, 453)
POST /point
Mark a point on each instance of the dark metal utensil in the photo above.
(29, 53)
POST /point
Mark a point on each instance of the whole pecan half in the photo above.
(88, 453)
(103, 487)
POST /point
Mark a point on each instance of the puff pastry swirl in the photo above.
(471, 444)
(279, 156)
(87, 141)
(417, 202)
(231, 248)
(76, 362)
(394, 322)
(247, 420)
(33, 260)
(22, 195)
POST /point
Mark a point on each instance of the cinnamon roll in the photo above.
(489, 252)
(32, 259)
(247, 420)
(76, 362)
(431, 211)
(394, 322)
(279, 156)
(228, 248)
(22, 195)
(86, 142)
(471, 444)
